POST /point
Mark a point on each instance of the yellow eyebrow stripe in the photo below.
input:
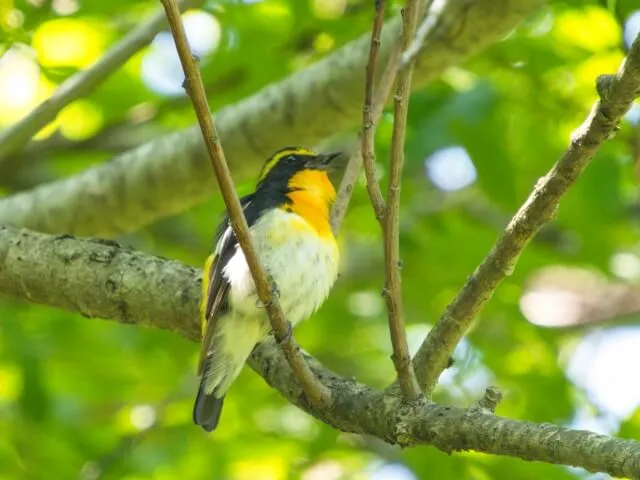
(273, 161)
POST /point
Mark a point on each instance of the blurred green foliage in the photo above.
(92, 399)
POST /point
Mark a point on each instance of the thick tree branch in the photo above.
(391, 220)
(102, 279)
(83, 82)
(617, 93)
(316, 392)
(170, 174)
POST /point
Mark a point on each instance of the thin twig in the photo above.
(354, 165)
(83, 82)
(617, 93)
(367, 135)
(317, 393)
(424, 30)
(392, 291)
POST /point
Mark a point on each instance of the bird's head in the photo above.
(297, 168)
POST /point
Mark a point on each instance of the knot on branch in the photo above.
(385, 293)
(604, 86)
(489, 401)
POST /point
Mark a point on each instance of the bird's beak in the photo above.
(323, 161)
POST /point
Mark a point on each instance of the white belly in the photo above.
(303, 265)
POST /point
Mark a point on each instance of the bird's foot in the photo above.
(285, 338)
(275, 293)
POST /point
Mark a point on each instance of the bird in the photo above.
(288, 219)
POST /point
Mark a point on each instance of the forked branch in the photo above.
(393, 290)
(617, 93)
(354, 165)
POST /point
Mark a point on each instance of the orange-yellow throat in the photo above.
(311, 198)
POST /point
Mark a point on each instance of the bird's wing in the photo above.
(215, 286)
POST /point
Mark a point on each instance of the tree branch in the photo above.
(367, 136)
(354, 165)
(102, 279)
(411, 52)
(83, 83)
(391, 227)
(617, 93)
(168, 175)
(315, 391)
(25, 169)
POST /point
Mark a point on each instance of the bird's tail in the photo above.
(225, 359)
(207, 409)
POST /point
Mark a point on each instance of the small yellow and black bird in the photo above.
(288, 218)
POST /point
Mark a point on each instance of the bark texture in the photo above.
(101, 279)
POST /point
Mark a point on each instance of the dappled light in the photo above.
(631, 27)
(98, 364)
(450, 169)
(160, 67)
(602, 364)
(329, 9)
(80, 120)
(69, 43)
(19, 82)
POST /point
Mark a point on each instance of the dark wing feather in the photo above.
(214, 301)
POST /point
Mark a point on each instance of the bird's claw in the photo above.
(275, 293)
(285, 338)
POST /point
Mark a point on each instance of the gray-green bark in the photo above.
(104, 280)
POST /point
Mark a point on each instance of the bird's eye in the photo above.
(290, 160)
